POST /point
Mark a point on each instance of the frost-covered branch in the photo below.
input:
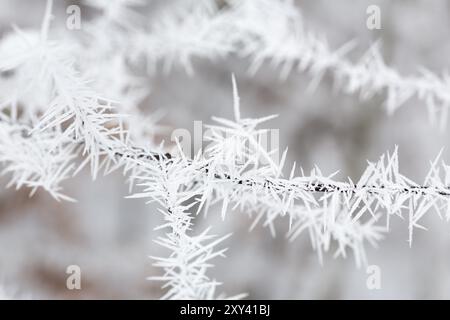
(281, 38)
(169, 182)
(239, 172)
(51, 113)
(34, 161)
(273, 31)
(67, 103)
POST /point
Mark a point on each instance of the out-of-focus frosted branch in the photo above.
(34, 161)
(273, 31)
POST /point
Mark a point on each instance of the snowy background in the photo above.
(110, 237)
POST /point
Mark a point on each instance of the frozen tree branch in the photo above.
(51, 113)
(281, 38)
(34, 161)
(273, 31)
(328, 209)
(169, 182)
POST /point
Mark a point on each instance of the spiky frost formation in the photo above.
(171, 183)
(53, 110)
(273, 32)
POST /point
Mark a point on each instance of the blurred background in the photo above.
(110, 237)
